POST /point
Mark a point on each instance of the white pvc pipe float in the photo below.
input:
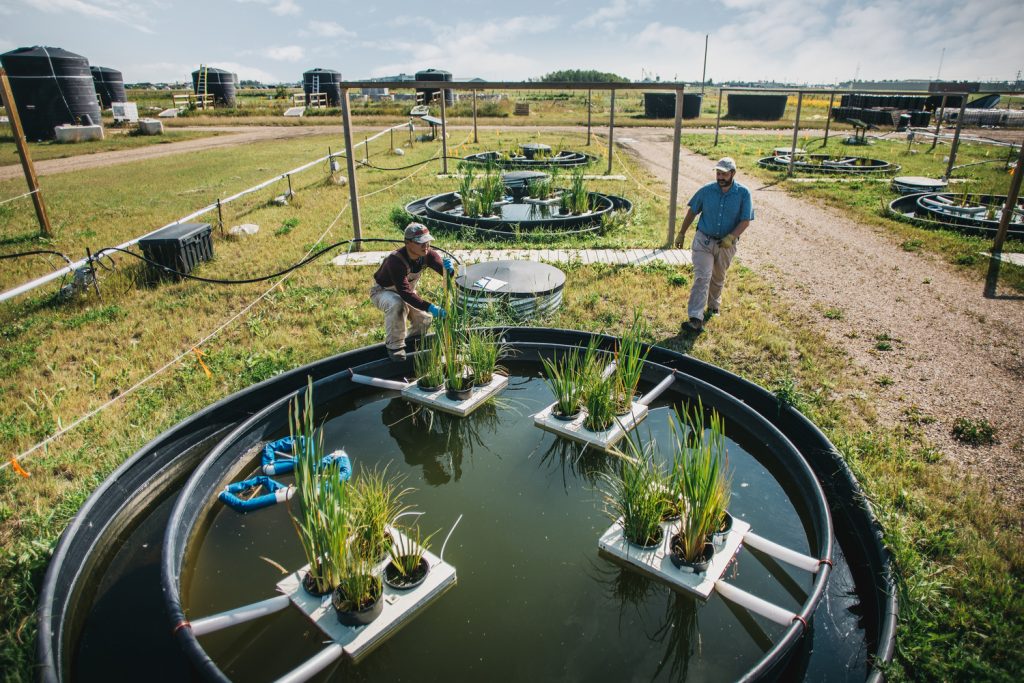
(657, 391)
(239, 615)
(608, 370)
(313, 666)
(378, 382)
(798, 560)
(751, 602)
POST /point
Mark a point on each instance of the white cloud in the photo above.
(609, 17)
(470, 49)
(329, 29)
(286, 7)
(286, 53)
(248, 73)
(123, 11)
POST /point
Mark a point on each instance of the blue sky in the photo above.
(788, 40)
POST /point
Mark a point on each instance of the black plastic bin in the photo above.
(178, 249)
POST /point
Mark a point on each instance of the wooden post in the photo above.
(26, 159)
(956, 138)
(828, 121)
(392, 131)
(1011, 202)
(938, 123)
(674, 193)
(589, 98)
(796, 131)
(350, 162)
(444, 133)
(718, 117)
(475, 138)
(611, 134)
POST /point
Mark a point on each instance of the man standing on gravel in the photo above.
(394, 289)
(725, 210)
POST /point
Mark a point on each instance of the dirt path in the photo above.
(240, 135)
(954, 352)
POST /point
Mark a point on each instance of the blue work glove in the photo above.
(448, 266)
(437, 312)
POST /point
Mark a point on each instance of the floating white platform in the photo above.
(655, 562)
(574, 429)
(399, 607)
(439, 401)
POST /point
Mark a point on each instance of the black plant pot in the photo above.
(460, 394)
(310, 586)
(367, 612)
(426, 386)
(698, 567)
(719, 537)
(398, 581)
(558, 415)
(653, 544)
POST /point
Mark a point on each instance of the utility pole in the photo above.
(704, 73)
(7, 97)
(942, 56)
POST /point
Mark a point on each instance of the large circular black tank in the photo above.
(435, 75)
(51, 86)
(219, 83)
(756, 107)
(325, 81)
(662, 105)
(109, 85)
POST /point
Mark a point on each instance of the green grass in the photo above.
(962, 608)
(865, 199)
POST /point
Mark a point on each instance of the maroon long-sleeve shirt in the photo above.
(395, 270)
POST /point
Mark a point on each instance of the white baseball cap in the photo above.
(725, 164)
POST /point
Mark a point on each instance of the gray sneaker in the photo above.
(397, 355)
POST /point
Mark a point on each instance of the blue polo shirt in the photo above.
(720, 213)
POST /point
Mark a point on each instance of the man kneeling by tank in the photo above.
(406, 313)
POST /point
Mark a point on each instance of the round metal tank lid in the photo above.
(521, 178)
(922, 182)
(785, 151)
(521, 278)
(535, 147)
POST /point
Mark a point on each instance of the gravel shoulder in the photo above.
(955, 353)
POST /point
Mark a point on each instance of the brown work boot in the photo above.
(694, 325)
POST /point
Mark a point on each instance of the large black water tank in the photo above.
(435, 75)
(662, 105)
(109, 85)
(219, 83)
(323, 80)
(51, 86)
(757, 107)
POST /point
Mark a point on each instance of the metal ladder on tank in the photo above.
(202, 98)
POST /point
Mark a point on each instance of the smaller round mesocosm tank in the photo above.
(435, 75)
(51, 87)
(219, 83)
(323, 81)
(109, 85)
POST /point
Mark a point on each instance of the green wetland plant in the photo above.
(634, 495)
(600, 404)
(407, 550)
(630, 357)
(563, 376)
(428, 362)
(376, 501)
(484, 349)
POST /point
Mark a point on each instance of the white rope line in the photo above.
(176, 359)
(27, 194)
(639, 184)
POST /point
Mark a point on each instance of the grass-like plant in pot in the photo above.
(579, 197)
(312, 522)
(408, 567)
(634, 496)
(376, 502)
(600, 405)
(357, 600)
(484, 348)
(630, 356)
(450, 334)
(428, 364)
(564, 377)
(704, 487)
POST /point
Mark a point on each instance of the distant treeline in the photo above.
(582, 76)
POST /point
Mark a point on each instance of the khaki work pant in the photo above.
(400, 319)
(710, 262)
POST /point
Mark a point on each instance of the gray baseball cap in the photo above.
(725, 164)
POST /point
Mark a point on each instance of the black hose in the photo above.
(263, 278)
(402, 168)
(36, 252)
